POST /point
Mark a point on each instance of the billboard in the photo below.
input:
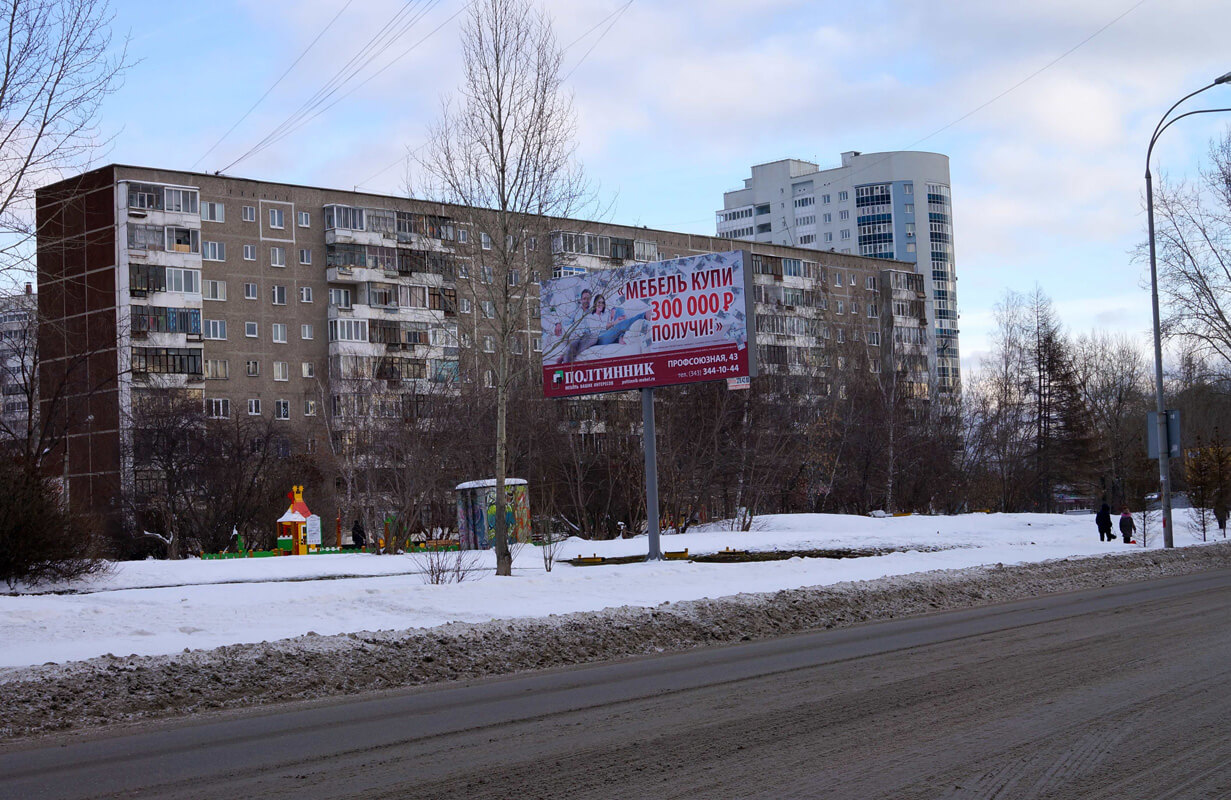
(655, 324)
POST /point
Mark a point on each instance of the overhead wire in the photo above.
(395, 28)
(355, 88)
(274, 85)
(603, 35)
(616, 13)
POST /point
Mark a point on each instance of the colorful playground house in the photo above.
(299, 530)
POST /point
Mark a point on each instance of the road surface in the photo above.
(1117, 693)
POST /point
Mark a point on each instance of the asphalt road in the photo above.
(1118, 693)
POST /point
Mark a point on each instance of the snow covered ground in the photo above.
(161, 607)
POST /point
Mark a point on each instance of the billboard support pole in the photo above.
(651, 474)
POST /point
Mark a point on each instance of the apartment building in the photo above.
(892, 205)
(318, 307)
(18, 331)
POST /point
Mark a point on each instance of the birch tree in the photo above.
(503, 149)
(59, 65)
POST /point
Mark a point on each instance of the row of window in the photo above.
(219, 369)
(217, 290)
(149, 197)
(220, 408)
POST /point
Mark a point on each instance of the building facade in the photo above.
(881, 205)
(18, 385)
(318, 308)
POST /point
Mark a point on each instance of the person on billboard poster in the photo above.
(609, 330)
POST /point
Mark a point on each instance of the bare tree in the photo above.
(1194, 258)
(59, 65)
(504, 151)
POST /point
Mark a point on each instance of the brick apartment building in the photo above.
(285, 301)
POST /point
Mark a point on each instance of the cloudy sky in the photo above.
(676, 99)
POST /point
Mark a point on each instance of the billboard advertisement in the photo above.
(655, 324)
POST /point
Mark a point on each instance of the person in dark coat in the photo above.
(1103, 520)
(357, 535)
(1127, 526)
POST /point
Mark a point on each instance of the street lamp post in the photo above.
(1164, 463)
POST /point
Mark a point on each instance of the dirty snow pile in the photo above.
(265, 620)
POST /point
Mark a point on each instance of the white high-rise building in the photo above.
(884, 205)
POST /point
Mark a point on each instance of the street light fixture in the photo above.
(1164, 466)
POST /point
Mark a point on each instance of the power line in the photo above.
(409, 153)
(356, 88)
(274, 85)
(603, 35)
(595, 26)
(391, 31)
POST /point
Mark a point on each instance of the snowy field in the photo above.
(160, 607)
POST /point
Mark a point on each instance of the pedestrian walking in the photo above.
(1127, 526)
(357, 535)
(1103, 520)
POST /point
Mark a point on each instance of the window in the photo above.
(254, 406)
(852, 279)
(843, 196)
(874, 338)
(282, 371)
(276, 218)
(873, 311)
(909, 208)
(277, 256)
(214, 329)
(870, 283)
(278, 295)
(846, 233)
(254, 369)
(250, 330)
(305, 331)
(489, 379)
(305, 294)
(485, 241)
(214, 290)
(348, 330)
(532, 243)
(837, 278)
(282, 409)
(187, 281)
(340, 298)
(214, 251)
(829, 236)
(485, 274)
(181, 200)
(305, 256)
(489, 310)
(304, 218)
(464, 305)
(183, 240)
(249, 291)
(216, 369)
(213, 212)
(218, 408)
(309, 408)
(807, 238)
(309, 369)
(536, 343)
(346, 217)
(841, 307)
(844, 214)
(249, 252)
(279, 332)
(248, 213)
(825, 198)
(489, 344)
